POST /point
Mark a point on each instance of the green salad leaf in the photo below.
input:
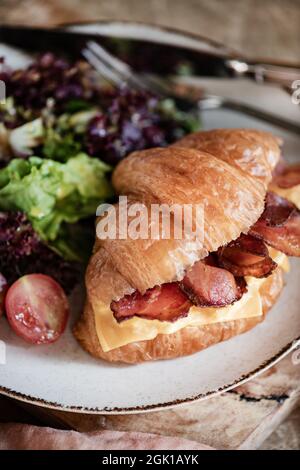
(60, 147)
(52, 194)
(186, 121)
(64, 138)
(75, 105)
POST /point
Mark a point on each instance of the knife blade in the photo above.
(208, 59)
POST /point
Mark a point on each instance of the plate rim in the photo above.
(285, 351)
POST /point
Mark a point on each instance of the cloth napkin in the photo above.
(27, 437)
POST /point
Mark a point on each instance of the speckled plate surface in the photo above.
(63, 376)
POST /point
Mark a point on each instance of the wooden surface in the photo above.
(267, 29)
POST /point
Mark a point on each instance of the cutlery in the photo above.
(118, 72)
(107, 58)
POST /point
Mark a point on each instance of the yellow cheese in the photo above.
(292, 194)
(112, 334)
(280, 258)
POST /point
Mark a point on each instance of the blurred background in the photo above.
(268, 29)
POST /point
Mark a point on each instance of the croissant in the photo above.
(226, 171)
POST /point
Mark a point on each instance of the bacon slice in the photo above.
(204, 285)
(247, 256)
(279, 225)
(165, 303)
(208, 285)
(280, 167)
(287, 176)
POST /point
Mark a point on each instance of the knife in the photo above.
(204, 58)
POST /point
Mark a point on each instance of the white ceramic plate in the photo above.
(63, 376)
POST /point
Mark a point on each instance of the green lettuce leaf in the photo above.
(60, 147)
(54, 194)
(63, 139)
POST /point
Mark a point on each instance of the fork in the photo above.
(117, 72)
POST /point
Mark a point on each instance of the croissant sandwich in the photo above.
(164, 297)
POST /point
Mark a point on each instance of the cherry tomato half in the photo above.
(37, 308)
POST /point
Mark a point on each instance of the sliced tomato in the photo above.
(3, 290)
(37, 308)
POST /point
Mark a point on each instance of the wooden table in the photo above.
(268, 29)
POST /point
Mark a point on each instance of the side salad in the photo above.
(61, 134)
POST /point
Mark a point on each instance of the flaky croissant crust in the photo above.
(229, 177)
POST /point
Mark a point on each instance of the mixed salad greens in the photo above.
(61, 133)
(53, 194)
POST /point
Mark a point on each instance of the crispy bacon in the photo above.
(247, 256)
(287, 176)
(208, 285)
(279, 225)
(165, 303)
(204, 285)
(280, 167)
